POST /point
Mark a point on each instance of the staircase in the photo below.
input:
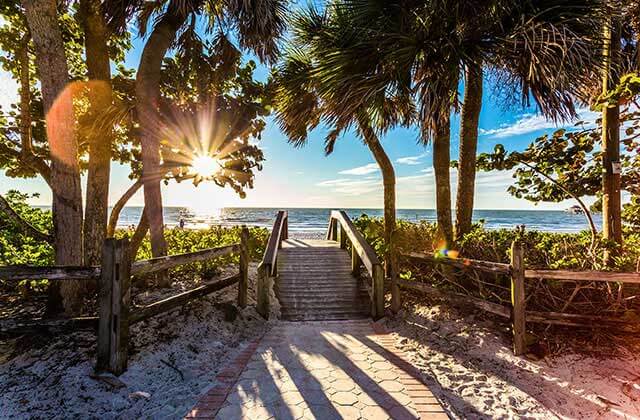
(314, 282)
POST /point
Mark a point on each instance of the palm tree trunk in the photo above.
(611, 201)
(388, 179)
(441, 164)
(99, 137)
(468, 146)
(53, 73)
(148, 93)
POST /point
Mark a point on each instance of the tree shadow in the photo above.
(491, 362)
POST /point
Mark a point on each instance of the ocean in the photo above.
(313, 221)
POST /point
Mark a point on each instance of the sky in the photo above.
(348, 178)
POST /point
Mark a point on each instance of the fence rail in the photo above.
(115, 313)
(518, 274)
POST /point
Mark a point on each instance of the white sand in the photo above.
(54, 381)
(471, 367)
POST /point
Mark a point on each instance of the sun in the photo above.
(205, 165)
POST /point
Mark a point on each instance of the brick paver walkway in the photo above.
(320, 370)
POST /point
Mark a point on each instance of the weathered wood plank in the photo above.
(275, 239)
(583, 321)
(28, 272)
(518, 298)
(464, 263)
(163, 263)
(588, 276)
(114, 299)
(243, 285)
(21, 326)
(173, 302)
(263, 288)
(491, 307)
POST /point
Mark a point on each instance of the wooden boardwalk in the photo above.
(331, 362)
(315, 282)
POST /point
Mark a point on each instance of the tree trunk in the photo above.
(100, 136)
(65, 172)
(468, 146)
(441, 164)
(611, 202)
(148, 93)
(388, 180)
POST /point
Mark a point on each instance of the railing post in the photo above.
(355, 261)
(334, 230)
(342, 237)
(243, 284)
(377, 310)
(114, 300)
(263, 286)
(518, 298)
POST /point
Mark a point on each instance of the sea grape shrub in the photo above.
(544, 250)
(17, 247)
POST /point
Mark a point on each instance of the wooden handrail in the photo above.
(361, 253)
(269, 266)
(278, 233)
(163, 263)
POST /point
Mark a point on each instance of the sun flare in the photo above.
(205, 165)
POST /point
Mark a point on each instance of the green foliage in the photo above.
(543, 250)
(18, 248)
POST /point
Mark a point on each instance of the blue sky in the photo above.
(305, 177)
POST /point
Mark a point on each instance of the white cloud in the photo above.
(361, 170)
(411, 160)
(8, 90)
(529, 123)
(352, 186)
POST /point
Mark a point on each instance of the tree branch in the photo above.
(25, 226)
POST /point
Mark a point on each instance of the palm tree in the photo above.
(314, 85)
(257, 24)
(541, 49)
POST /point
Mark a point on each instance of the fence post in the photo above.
(262, 298)
(114, 300)
(378, 292)
(342, 237)
(243, 284)
(518, 298)
(334, 230)
(393, 273)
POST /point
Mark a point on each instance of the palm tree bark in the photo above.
(441, 163)
(469, 119)
(100, 137)
(148, 94)
(611, 201)
(53, 73)
(388, 180)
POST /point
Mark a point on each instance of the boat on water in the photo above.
(575, 210)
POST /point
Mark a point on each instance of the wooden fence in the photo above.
(518, 274)
(115, 313)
